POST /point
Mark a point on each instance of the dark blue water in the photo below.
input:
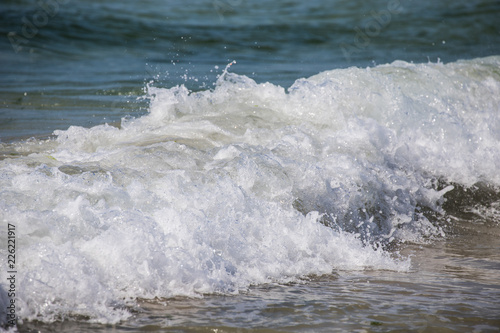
(86, 62)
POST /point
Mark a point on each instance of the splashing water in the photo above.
(217, 190)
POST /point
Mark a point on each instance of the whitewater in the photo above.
(216, 191)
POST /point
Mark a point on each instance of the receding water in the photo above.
(452, 286)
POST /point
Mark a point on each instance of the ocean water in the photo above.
(250, 166)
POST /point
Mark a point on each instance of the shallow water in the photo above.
(453, 286)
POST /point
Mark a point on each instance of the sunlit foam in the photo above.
(248, 183)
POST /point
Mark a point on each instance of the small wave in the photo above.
(213, 191)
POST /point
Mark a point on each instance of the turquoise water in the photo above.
(237, 166)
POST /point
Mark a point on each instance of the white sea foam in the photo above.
(214, 191)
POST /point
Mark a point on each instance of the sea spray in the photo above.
(217, 190)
